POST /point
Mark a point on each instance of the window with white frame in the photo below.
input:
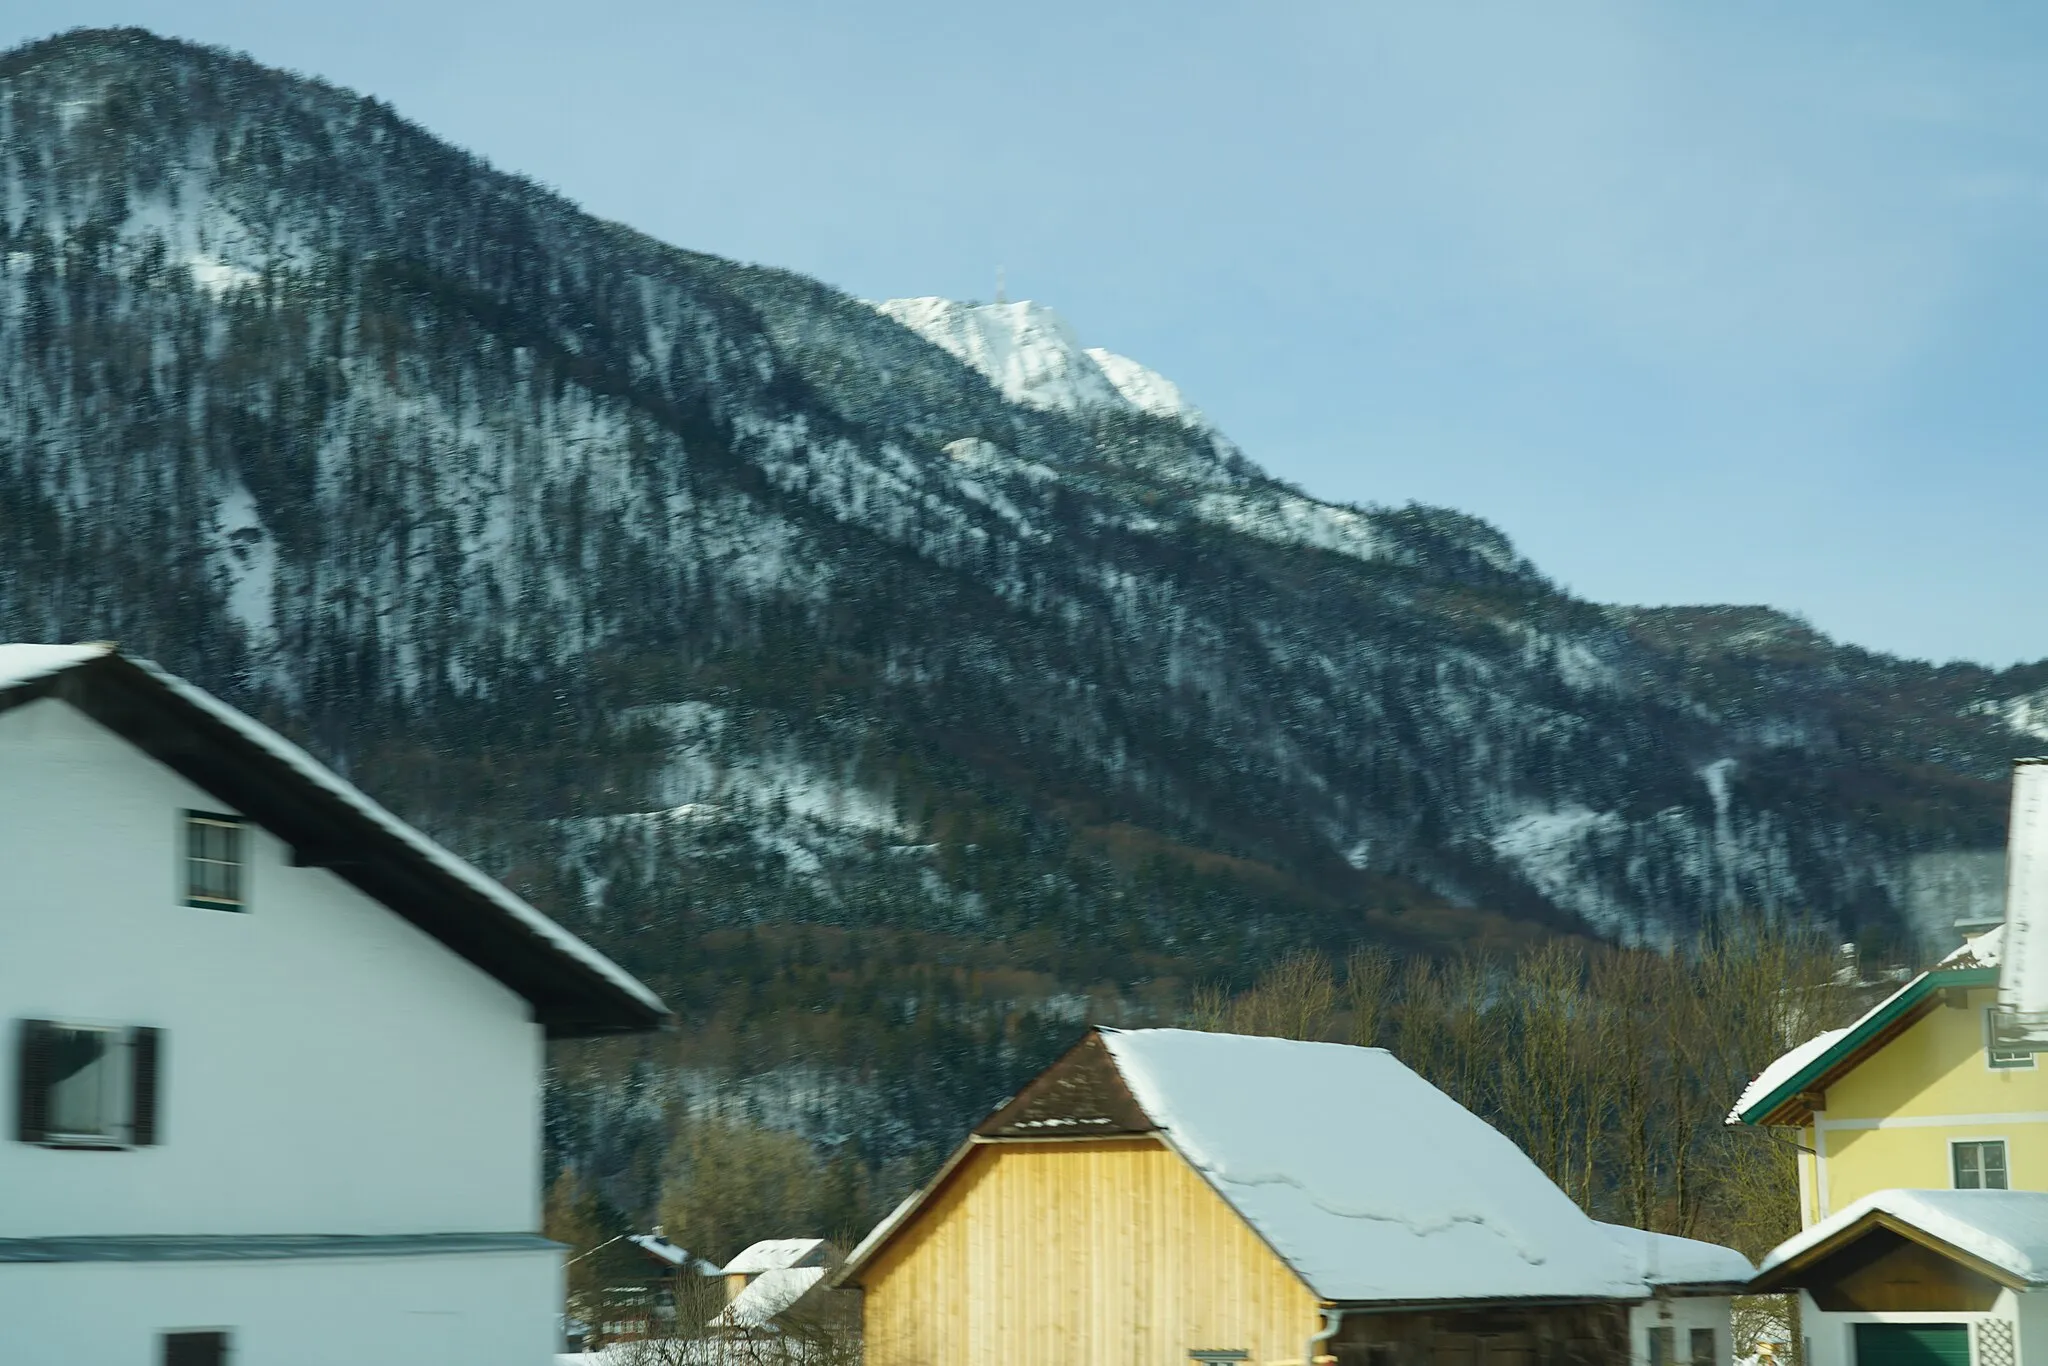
(2002, 1057)
(1979, 1164)
(86, 1085)
(215, 861)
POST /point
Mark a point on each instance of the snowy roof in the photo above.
(776, 1254)
(1667, 1259)
(1836, 1046)
(574, 988)
(654, 1245)
(1984, 951)
(1783, 1070)
(24, 664)
(897, 1217)
(767, 1295)
(1371, 1183)
(2007, 1229)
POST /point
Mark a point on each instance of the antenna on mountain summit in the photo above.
(999, 286)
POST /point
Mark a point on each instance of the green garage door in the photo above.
(1912, 1344)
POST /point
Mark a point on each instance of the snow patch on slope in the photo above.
(2026, 714)
(1025, 349)
(245, 562)
(1550, 849)
(1146, 389)
(1033, 357)
(1291, 519)
(216, 276)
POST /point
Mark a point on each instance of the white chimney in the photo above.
(2023, 957)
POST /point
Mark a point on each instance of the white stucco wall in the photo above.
(2031, 1312)
(495, 1309)
(1683, 1313)
(327, 1067)
(1831, 1338)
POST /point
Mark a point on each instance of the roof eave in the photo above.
(1786, 1275)
(569, 998)
(1786, 1106)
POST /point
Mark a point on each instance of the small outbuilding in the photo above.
(1922, 1278)
(1165, 1196)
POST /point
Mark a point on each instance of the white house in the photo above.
(272, 1058)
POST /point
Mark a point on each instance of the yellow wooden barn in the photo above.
(1159, 1197)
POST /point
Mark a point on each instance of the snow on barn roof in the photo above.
(767, 1295)
(777, 1254)
(1371, 1184)
(1374, 1185)
(574, 989)
(2007, 1229)
(1666, 1259)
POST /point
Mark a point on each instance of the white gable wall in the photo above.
(327, 1067)
(498, 1309)
(1682, 1314)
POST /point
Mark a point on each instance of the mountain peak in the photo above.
(1033, 357)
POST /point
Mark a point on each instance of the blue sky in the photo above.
(1728, 303)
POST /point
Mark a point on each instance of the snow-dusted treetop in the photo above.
(1033, 357)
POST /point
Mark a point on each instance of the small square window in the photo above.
(1702, 1347)
(208, 1348)
(1980, 1165)
(215, 861)
(1663, 1346)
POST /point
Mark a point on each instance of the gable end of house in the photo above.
(573, 990)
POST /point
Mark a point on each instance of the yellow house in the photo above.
(1923, 1179)
(1912, 1095)
(1160, 1197)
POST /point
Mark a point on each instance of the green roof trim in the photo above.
(1868, 1028)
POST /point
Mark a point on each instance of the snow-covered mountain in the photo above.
(917, 613)
(1033, 357)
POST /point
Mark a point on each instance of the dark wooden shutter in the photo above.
(32, 1082)
(195, 1349)
(145, 1059)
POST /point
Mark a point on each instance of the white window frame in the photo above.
(2005, 1148)
(2021, 1059)
(121, 1109)
(189, 894)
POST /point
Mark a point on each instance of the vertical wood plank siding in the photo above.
(1106, 1253)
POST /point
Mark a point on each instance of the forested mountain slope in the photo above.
(703, 601)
